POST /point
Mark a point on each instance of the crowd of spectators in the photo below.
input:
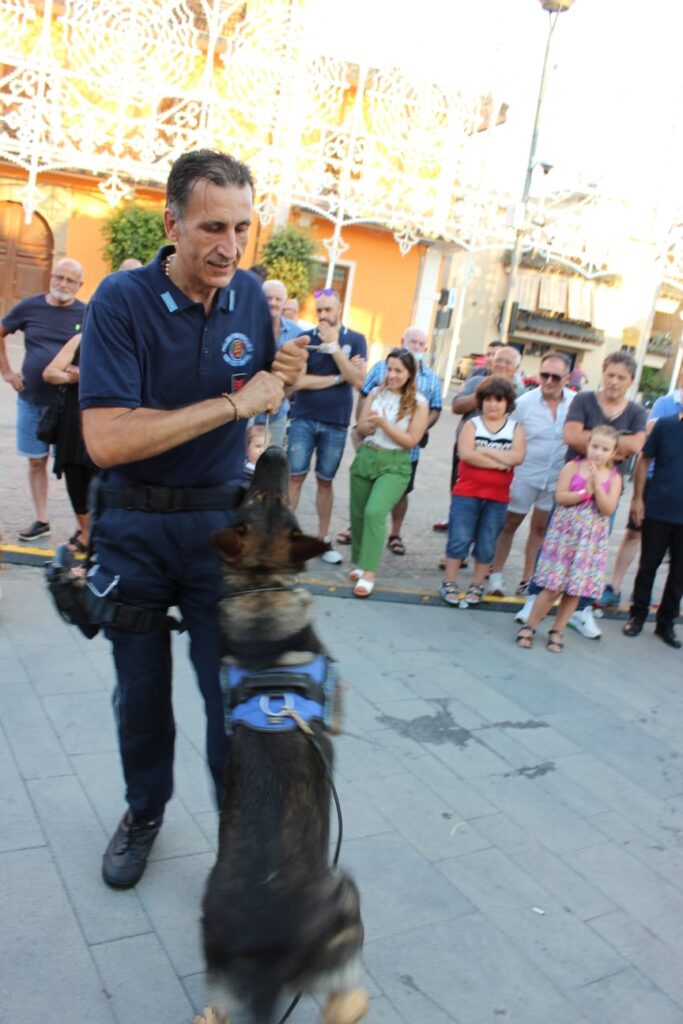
(512, 446)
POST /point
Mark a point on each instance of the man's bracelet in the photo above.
(228, 398)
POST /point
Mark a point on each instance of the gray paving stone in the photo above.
(641, 892)
(60, 668)
(625, 747)
(558, 942)
(30, 734)
(77, 841)
(84, 722)
(552, 872)
(663, 819)
(626, 998)
(361, 816)
(429, 822)
(358, 757)
(467, 801)
(652, 958)
(193, 780)
(469, 971)
(533, 808)
(19, 827)
(665, 861)
(381, 864)
(141, 982)
(171, 893)
(47, 970)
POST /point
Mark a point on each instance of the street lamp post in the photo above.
(554, 9)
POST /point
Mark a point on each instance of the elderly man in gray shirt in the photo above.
(542, 413)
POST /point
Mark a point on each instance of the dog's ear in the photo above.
(229, 542)
(303, 547)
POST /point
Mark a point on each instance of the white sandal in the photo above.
(356, 574)
(364, 588)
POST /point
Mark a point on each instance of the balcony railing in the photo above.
(660, 345)
(555, 327)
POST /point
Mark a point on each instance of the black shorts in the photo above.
(411, 482)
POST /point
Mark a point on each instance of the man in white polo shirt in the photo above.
(542, 413)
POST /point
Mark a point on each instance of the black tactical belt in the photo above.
(150, 498)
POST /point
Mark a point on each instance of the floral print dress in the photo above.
(573, 558)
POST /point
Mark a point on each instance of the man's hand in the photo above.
(290, 360)
(360, 364)
(637, 511)
(16, 380)
(328, 335)
(264, 393)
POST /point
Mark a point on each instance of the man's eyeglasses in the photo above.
(323, 291)
(65, 278)
(556, 377)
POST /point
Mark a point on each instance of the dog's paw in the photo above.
(346, 1007)
(211, 1017)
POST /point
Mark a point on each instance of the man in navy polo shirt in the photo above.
(176, 357)
(661, 515)
(321, 408)
(48, 321)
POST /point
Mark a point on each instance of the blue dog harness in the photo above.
(263, 699)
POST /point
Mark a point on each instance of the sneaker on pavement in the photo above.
(34, 531)
(496, 587)
(332, 557)
(524, 612)
(441, 526)
(584, 623)
(126, 855)
(610, 598)
(522, 588)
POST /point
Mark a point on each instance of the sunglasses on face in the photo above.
(556, 377)
(323, 291)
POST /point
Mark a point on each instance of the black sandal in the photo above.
(525, 637)
(555, 642)
(396, 545)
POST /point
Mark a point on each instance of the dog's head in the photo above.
(265, 533)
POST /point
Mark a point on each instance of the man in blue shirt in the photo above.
(283, 330)
(661, 515)
(176, 357)
(321, 408)
(48, 321)
(428, 385)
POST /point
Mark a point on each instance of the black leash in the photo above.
(308, 733)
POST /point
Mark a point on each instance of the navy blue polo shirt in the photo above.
(664, 500)
(329, 405)
(46, 329)
(146, 344)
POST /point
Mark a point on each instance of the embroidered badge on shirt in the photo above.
(237, 349)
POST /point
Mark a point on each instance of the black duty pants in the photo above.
(657, 538)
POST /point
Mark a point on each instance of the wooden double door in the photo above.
(25, 255)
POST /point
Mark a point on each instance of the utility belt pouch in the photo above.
(82, 606)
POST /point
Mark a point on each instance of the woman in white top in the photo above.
(393, 421)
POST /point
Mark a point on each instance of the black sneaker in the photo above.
(126, 856)
(34, 531)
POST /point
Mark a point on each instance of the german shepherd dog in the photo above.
(278, 917)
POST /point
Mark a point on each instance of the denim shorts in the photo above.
(28, 416)
(478, 520)
(327, 439)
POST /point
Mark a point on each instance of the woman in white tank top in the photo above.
(395, 422)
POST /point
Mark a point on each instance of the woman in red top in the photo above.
(490, 445)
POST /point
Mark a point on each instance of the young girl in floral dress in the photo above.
(573, 559)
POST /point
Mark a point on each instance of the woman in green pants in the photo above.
(393, 421)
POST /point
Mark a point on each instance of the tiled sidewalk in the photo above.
(514, 820)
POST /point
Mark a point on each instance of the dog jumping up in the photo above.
(278, 917)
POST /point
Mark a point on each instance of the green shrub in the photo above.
(133, 231)
(288, 256)
(652, 384)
